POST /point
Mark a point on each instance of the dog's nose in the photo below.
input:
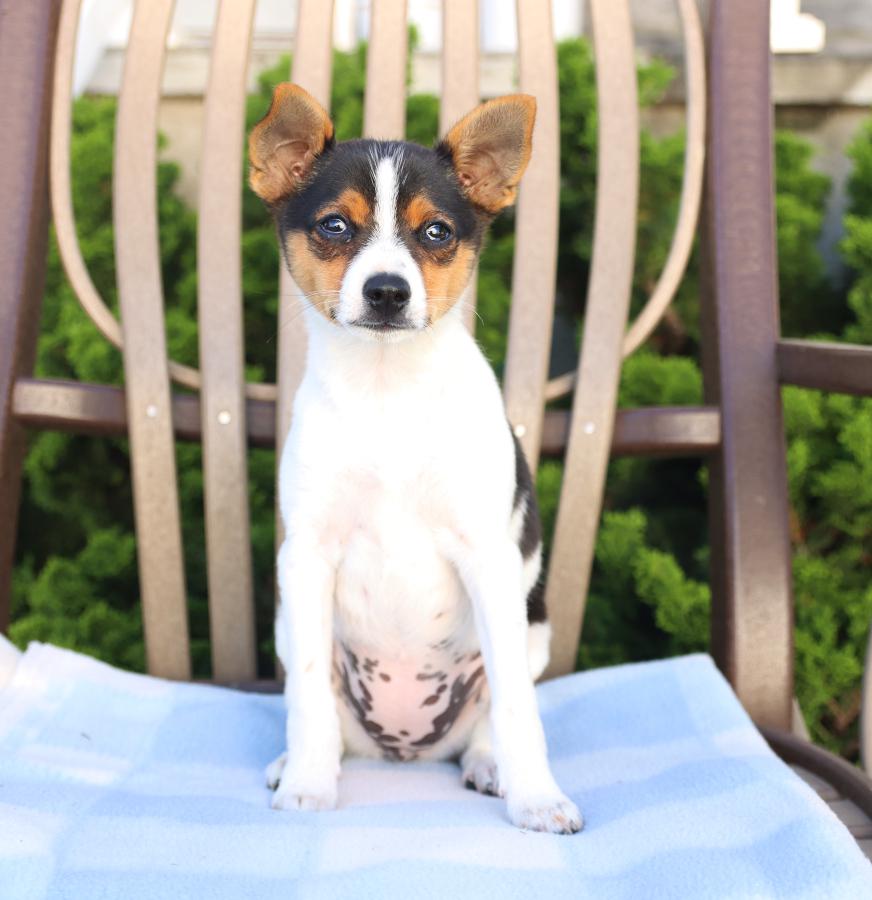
(387, 294)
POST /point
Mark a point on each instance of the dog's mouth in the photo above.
(383, 327)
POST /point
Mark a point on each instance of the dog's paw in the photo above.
(300, 791)
(297, 796)
(555, 813)
(274, 771)
(479, 773)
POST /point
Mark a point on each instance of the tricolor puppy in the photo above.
(412, 622)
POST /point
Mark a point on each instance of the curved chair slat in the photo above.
(219, 271)
(159, 540)
(689, 203)
(691, 185)
(312, 69)
(62, 207)
(460, 91)
(535, 263)
(866, 711)
(61, 189)
(384, 104)
(608, 300)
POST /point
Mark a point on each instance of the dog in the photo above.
(412, 622)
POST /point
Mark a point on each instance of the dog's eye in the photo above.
(333, 227)
(435, 233)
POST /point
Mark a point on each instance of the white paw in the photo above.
(554, 813)
(479, 772)
(289, 795)
(315, 790)
(274, 771)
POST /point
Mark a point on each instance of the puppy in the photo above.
(412, 622)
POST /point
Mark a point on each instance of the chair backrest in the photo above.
(228, 413)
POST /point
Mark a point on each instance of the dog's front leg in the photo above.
(492, 573)
(304, 643)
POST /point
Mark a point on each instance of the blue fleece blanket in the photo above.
(122, 786)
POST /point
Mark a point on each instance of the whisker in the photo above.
(296, 315)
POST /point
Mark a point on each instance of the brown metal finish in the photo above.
(219, 279)
(384, 104)
(535, 263)
(153, 462)
(99, 409)
(691, 185)
(62, 206)
(652, 431)
(460, 93)
(312, 69)
(61, 184)
(752, 620)
(843, 368)
(608, 303)
(866, 709)
(27, 32)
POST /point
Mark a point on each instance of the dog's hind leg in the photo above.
(477, 764)
(274, 771)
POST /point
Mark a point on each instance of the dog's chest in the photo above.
(406, 661)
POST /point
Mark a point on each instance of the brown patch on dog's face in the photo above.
(445, 282)
(445, 264)
(319, 263)
(418, 212)
(355, 207)
(319, 276)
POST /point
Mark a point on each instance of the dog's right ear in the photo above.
(283, 146)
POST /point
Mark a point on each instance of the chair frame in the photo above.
(738, 431)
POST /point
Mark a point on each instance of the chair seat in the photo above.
(121, 785)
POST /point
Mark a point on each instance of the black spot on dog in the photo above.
(461, 690)
(530, 541)
(536, 611)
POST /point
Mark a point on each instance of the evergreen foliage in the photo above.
(75, 579)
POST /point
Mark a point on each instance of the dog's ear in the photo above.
(490, 148)
(283, 146)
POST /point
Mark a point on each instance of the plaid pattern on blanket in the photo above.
(124, 786)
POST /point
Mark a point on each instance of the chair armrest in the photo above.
(842, 368)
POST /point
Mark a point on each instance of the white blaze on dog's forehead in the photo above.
(386, 197)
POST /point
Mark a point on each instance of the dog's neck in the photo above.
(348, 362)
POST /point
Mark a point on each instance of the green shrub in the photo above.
(75, 580)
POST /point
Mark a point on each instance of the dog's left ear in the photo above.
(285, 143)
(490, 148)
